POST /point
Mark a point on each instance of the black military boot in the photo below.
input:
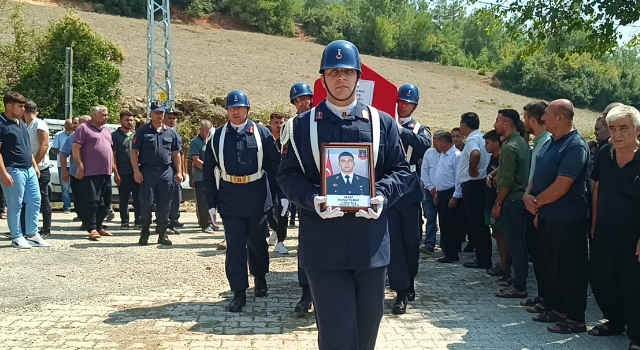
(304, 305)
(239, 300)
(411, 291)
(260, 286)
(144, 236)
(400, 305)
(161, 231)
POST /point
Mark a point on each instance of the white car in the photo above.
(55, 192)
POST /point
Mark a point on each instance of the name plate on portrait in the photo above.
(348, 180)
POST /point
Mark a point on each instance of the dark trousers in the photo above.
(129, 187)
(535, 246)
(281, 221)
(473, 193)
(174, 212)
(76, 195)
(565, 260)
(462, 224)
(95, 200)
(615, 282)
(449, 239)
(512, 214)
(45, 203)
(2, 201)
(156, 188)
(294, 210)
(404, 229)
(245, 241)
(204, 220)
(349, 306)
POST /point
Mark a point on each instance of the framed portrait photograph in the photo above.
(348, 180)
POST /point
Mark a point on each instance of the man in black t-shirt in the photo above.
(123, 176)
(492, 145)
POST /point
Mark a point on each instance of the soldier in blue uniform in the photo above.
(347, 182)
(238, 179)
(301, 96)
(404, 216)
(153, 149)
(344, 254)
(170, 119)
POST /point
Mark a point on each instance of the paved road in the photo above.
(114, 294)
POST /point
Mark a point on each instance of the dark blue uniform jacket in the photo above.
(155, 148)
(420, 143)
(240, 158)
(348, 242)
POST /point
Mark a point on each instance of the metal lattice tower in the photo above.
(159, 54)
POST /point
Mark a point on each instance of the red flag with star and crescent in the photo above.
(328, 168)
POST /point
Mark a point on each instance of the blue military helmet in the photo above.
(299, 90)
(409, 93)
(237, 98)
(157, 106)
(341, 54)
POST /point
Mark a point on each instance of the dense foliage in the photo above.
(34, 65)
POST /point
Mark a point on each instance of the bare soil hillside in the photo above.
(213, 61)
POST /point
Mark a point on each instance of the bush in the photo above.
(95, 75)
(199, 8)
(127, 8)
(269, 16)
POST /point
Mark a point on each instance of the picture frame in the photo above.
(348, 180)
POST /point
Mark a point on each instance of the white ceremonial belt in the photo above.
(244, 179)
(413, 168)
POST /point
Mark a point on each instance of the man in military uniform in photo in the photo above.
(404, 216)
(241, 161)
(347, 182)
(344, 254)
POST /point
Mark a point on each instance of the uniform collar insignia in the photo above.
(250, 130)
(319, 116)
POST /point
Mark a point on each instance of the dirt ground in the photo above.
(212, 61)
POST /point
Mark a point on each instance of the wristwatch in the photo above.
(496, 204)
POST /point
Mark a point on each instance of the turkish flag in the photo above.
(328, 168)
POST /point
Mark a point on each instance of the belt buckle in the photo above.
(239, 179)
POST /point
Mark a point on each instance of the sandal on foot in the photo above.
(531, 301)
(548, 317)
(634, 345)
(605, 330)
(506, 283)
(536, 309)
(564, 327)
(511, 293)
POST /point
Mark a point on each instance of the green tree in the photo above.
(17, 56)
(95, 74)
(555, 19)
(269, 16)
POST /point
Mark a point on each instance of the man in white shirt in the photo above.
(427, 175)
(447, 193)
(471, 175)
(39, 139)
(58, 141)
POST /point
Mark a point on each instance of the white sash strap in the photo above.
(375, 124)
(244, 178)
(415, 130)
(313, 137)
(287, 135)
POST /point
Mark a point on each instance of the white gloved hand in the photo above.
(285, 206)
(378, 202)
(330, 213)
(212, 213)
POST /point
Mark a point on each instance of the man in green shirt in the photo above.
(513, 178)
(534, 125)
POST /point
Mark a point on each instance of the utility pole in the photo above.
(68, 85)
(160, 84)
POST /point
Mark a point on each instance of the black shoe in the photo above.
(172, 231)
(400, 305)
(161, 231)
(261, 288)
(495, 271)
(469, 248)
(411, 291)
(476, 265)
(178, 224)
(426, 250)
(292, 224)
(239, 300)
(144, 236)
(45, 233)
(304, 305)
(125, 226)
(448, 259)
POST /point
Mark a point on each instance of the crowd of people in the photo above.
(532, 182)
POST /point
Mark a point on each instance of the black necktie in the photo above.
(347, 177)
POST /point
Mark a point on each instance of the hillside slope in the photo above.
(214, 61)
